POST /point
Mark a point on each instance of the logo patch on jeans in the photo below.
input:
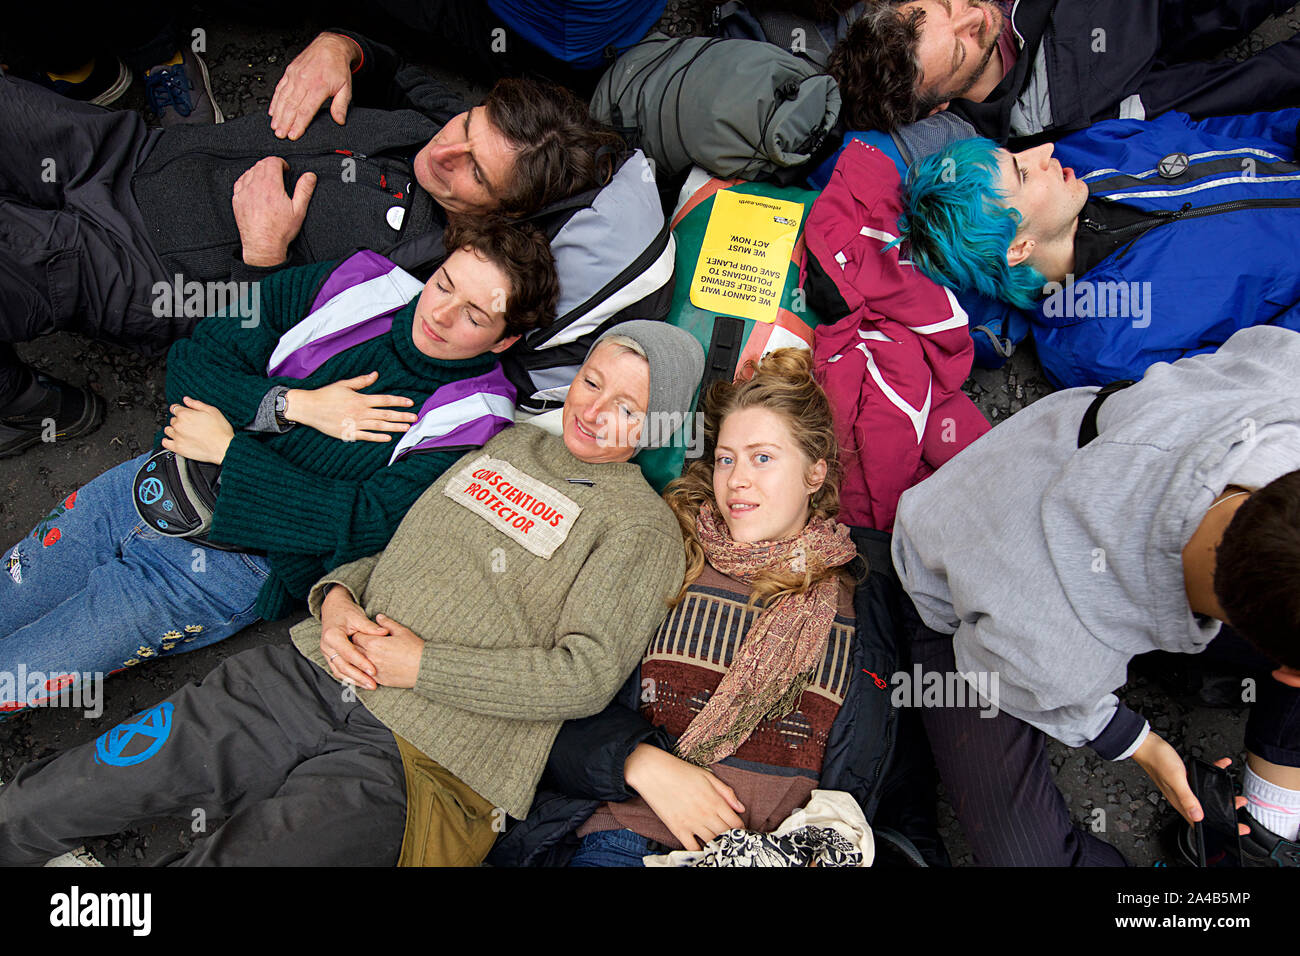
(136, 740)
(14, 565)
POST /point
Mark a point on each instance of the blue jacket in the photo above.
(871, 752)
(1221, 253)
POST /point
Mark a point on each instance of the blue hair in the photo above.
(957, 228)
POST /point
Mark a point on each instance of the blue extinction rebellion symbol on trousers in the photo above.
(136, 740)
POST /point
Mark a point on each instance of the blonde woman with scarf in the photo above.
(745, 678)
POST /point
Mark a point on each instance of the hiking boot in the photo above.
(74, 412)
(181, 93)
(108, 80)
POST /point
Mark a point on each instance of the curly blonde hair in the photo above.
(783, 383)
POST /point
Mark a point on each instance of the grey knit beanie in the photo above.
(676, 367)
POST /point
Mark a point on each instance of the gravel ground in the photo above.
(245, 61)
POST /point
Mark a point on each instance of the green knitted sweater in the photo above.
(310, 502)
(516, 643)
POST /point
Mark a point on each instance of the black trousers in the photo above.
(1191, 30)
(74, 250)
(304, 776)
(1104, 52)
(999, 779)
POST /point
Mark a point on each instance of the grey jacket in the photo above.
(1053, 565)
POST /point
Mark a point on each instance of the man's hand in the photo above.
(321, 71)
(341, 411)
(268, 218)
(341, 619)
(396, 654)
(198, 431)
(689, 800)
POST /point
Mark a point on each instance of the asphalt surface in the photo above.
(245, 60)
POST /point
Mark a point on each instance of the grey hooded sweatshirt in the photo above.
(1053, 565)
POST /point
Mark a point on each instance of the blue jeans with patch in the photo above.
(94, 590)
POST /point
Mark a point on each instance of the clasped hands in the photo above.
(364, 652)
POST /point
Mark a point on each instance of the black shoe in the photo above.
(1262, 847)
(73, 411)
(109, 79)
(1259, 847)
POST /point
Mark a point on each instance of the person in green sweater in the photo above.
(423, 696)
(280, 415)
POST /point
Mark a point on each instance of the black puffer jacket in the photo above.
(874, 751)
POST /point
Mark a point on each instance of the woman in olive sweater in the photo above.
(519, 591)
(308, 475)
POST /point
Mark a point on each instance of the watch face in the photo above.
(280, 402)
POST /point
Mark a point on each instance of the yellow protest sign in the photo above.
(745, 255)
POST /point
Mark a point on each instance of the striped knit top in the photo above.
(776, 769)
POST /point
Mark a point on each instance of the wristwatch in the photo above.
(281, 403)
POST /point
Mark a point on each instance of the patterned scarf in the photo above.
(785, 645)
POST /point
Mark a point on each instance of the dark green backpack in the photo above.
(729, 341)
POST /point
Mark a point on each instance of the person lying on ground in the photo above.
(1040, 68)
(1131, 242)
(289, 425)
(1163, 516)
(419, 703)
(102, 211)
(764, 615)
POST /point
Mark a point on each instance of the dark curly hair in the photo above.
(1257, 567)
(561, 149)
(877, 69)
(524, 255)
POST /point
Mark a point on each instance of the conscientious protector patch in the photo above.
(529, 511)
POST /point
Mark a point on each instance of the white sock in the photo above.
(1277, 808)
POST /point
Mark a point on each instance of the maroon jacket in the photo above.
(893, 367)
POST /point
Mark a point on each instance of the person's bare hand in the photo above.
(689, 800)
(342, 620)
(198, 431)
(341, 410)
(396, 654)
(1166, 769)
(321, 71)
(267, 217)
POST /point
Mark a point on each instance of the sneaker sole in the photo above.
(218, 116)
(114, 92)
(90, 419)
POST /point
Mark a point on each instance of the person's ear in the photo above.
(940, 108)
(1287, 675)
(816, 476)
(1019, 250)
(504, 344)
